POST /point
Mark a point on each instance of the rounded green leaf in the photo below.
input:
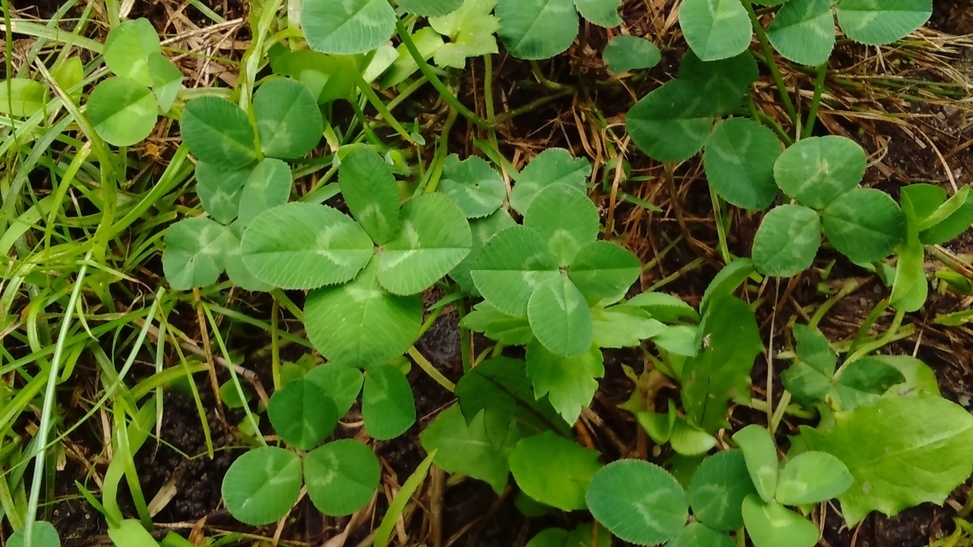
(235, 270)
(604, 270)
(717, 490)
(369, 189)
(672, 123)
(359, 324)
(388, 407)
(554, 470)
(880, 23)
(700, 535)
(218, 132)
(812, 477)
(565, 218)
(770, 525)
(43, 535)
(787, 241)
(638, 501)
(721, 85)
(220, 190)
(551, 537)
(195, 251)
(347, 27)
(552, 166)
(510, 266)
(128, 47)
(262, 485)
(268, 186)
(25, 97)
(289, 122)
(537, 30)
(865, 225)
(341, 477)
(166, 80)
(864, 381)
(465, 447)
(715, 29)
(122, 111)
(603, 13)
(304, 246)
(430, 8)
(483, 230)
(803, 31)
(761, 457)
(475, 186)
(560, 318)
(739, 161)
(625, 53)
(433, 238)
(302, 414)
(341, 383)
(819, 170)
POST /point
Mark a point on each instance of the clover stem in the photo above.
(431, 370)
(488, 89)
(533, 105)
(427, 71)
(785, 399)
(554, 86)
(771, 63)
(767, 121)
(770, 358)
(383, 110)
(892, 334)
(720, 226)
(846, 289)
(812, 113)
(275, 345)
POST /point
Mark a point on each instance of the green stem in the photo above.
(771, 63)
(720, 226)
(760, 116)
(533, 105)
(846, 289)
(812, 113)
(894, 333)
(427, 71)
(431, 370)
(383, 110)
(554, 86)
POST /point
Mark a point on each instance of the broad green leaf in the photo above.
(813, 348)
(369, 190)
(865, 225)
(304, 246)
(430, 8)
(428, 42)
(862, 382)
(565, 218)
(360, 324)
(638, 501)
(43, 535)
(471, 30)
(220, 190)
(537, 30)
(341, 383)
(510, 267)
(582, 536)
(434, 237)
(926, 199)
(466, 448)
(717, 490)
(25, 97)
(262, 485)
(723, 84)
(787, 241)
(603, 13)
(483, 230)
(327, 77)
(760, 455)
(923, 439)
(218, 132)
(129, 533)
(604, 270)
(552, 166)
(919, 378)
(700, 535)
(623, 326)
(69, 75)
(341, 477)
(739, 161)
(302, 414)
(679, 340)
(809, 379)
(664, 307)
(195, 250)
(770, 525)
(128, 47)
(626, 53)
(726, 281)
(560, 317)
(879, 23)
(551, 537)
(388, 407)
(715, 29)
(689, 440)
(569, 383)
(166, 80)
(810, 478)
(672, 123)
(346, 27)
(722, 370)
(658, 425)
(496, 325)
(235, 269)
(803, 31)
(268, 186)
(554, 470)
(943, 209)
(230, 395)
(959, 220)
(122, 111)
(289, 123)
(475, 186)
(819, 170)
